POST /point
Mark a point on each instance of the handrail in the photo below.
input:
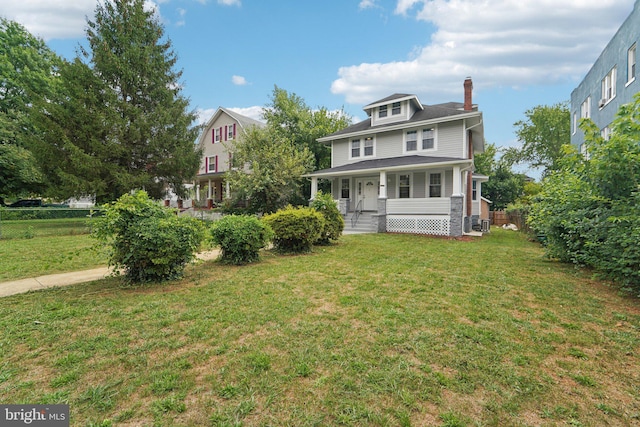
(356, 214)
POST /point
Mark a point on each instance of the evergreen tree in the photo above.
(120, 122)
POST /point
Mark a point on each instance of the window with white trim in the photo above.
(575, 122)
(411, 143)
(368, 146)
(605, 133)
(230, 132)
(609, 86)
(585, 108)
(474, 190)
(382, 112)
(218, 134)
(395, 108)
(584, 150)
(404, 186)
(428, 138)
(355, 148)
(212, 164)
(345, 187)
(435, 185)
(631, 63)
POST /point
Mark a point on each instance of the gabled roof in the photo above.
(244, 121)
(427, 113)
(389, 163)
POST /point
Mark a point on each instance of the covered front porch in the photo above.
(211, 189)
(421, 195)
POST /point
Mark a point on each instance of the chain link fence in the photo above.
(26, 223)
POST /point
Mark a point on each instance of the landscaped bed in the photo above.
(376, 330)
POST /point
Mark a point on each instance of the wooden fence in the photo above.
(500, 218)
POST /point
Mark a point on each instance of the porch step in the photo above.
(362, 226)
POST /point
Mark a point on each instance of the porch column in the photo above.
(383, 185)
(228, 190)
(209, 190)
(314, 187)
(198, 191)
(457, 181)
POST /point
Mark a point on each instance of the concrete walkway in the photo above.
(66, 279)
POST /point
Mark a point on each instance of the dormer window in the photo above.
(383, 111)
(395, 108)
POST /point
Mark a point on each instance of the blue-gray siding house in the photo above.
(611, 82)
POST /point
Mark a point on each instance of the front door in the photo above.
(367, 193)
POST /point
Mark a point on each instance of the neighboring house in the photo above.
(224, 127)
(610, 83)
(409, 165)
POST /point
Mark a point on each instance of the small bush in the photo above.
(149, 242)
(333, 221)
(240, 237)
(295, 229)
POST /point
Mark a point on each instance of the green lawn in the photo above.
(22, 258)
(379, 330)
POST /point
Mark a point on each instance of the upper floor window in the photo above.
(435, 185)
(605, 133)
(631, 63)
(412, 140)
(368, 146)
(230, 131)
(608, 87)
(395, 108)
(355, 148)
(382, 112)
(428, 139)
(575, 122)
(404, 186)
(364, 148)
(585, 109)
(218, 134)
(584, 150)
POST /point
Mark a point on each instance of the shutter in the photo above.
(206, 165)
(234, 131)
(213, 136)
(226, 130)
(216, 160)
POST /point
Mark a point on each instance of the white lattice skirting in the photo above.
(419, 224)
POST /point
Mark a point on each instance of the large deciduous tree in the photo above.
(27, 70)
(268, 169)
(119, 122)
(504, 186)
(542, 135)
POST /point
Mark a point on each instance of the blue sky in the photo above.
(348, 53)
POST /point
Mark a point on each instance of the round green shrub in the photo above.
(240, 238)
(333, 221)
(295, 229)
(149, 242)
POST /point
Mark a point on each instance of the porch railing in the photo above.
(356, 214)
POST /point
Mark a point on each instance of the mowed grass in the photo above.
(379, 330)
(23, 258)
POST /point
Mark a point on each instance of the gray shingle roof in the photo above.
(430, 112)
(388, 163)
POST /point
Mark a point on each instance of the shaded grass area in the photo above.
(22, 258)
(377, 330)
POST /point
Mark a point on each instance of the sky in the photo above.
(345, 54)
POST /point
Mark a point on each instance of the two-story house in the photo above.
(610, 83)
(224, 127)
(408, 167)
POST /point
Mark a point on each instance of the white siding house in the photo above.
(409, 166)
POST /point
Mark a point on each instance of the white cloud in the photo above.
(203, 115)
(230, 2)
(367, 4)
(181, 13)
(500, 43)
(239, 81)
(50, 19)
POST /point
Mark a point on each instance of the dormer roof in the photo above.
(396, 97)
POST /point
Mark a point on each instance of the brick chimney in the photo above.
(468, 89)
